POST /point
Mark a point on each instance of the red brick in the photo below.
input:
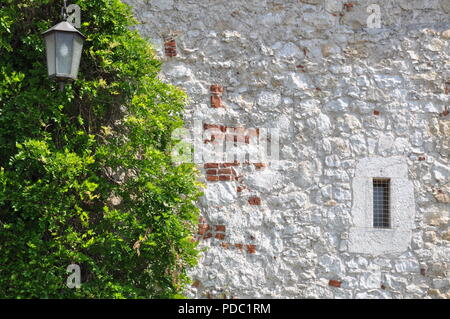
(422, 158)
(220, 228)
(225, 171)
(212, 178)
(260, 165)
(376, 112)
(216, 101)
(254, 200)
(170, 48)
(202, 228)
(348, 6)
(238, 246)
(225, 178)
(211, 171)
(170, 52)
(211, 165)
(239, 189)
(251, 249)
(220, 236)
(210, 126)
(334, 283)
(217, 89)
(235, 163)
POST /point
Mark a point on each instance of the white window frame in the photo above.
(363, 237)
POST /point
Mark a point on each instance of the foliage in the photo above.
(86, 175)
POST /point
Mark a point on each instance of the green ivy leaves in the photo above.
(86, 175)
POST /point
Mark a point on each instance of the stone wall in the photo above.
(339, 93)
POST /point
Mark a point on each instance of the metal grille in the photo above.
(381, 203)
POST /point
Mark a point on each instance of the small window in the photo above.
(381, 203)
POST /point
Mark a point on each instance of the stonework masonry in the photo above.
(351, 103)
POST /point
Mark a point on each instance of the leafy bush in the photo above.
(86, 175)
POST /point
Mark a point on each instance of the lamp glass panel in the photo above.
(64, 53)
(50, 45)
(77, 49)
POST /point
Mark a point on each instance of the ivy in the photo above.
(86, 175)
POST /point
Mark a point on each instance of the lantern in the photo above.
(64, 44)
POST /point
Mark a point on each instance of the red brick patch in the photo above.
(216, 101)
(334, 283)
(170, 47)
(216, 96)
(217, 89)
(211, 126)
(254, 200)
(225, 171)
(235, 163)
(260, 165)
(251, 249)
(348, 6)
(202, 228)
(220, 236)
(212, 178)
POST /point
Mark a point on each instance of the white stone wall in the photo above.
(339, 93)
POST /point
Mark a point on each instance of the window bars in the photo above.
(381, 203)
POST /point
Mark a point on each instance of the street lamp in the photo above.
(64, 44)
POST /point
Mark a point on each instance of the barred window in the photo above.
(381, 203)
